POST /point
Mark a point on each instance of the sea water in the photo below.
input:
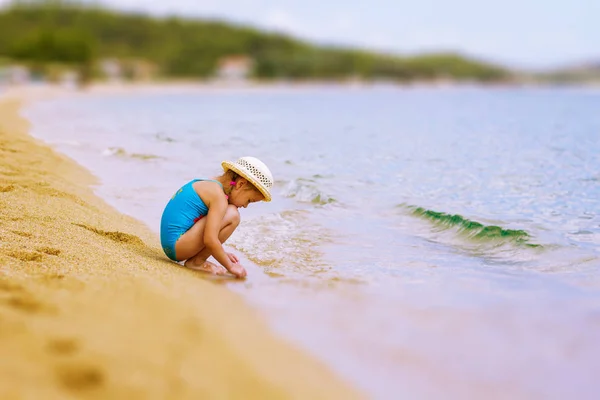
(424, 243)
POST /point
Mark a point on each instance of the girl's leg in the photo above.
(190, 245)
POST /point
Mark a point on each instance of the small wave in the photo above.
(120, 152)
(306, 190)
(282, 241)
(164, 138)
(473, 229)
(591, 179)
(142, 156)
(114, 151)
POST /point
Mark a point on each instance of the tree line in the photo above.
(43, 32)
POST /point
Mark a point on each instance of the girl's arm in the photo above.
(217, 205)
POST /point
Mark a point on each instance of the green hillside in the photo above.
(46, 32)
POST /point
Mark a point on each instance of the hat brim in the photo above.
(228, 165)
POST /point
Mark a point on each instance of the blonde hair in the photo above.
(226, 179)
(231, 176)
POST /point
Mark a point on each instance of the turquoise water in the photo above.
(430, 242)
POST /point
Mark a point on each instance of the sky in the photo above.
(527, 34)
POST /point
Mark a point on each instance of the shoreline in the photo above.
(103, 314)
(40, 91)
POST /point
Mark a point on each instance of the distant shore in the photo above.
(47, 90)
(90, 308)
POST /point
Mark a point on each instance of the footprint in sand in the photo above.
(25, 255)
(63, 346)
(26, 303)
(50, 191)
(79, 376)
(49, 250)
(116, 235)
(19, 299)
(4, 189)
(24, 234)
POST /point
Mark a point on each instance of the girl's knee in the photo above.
(232, 215)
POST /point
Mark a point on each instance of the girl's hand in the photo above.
(233, 258)
(238, 271)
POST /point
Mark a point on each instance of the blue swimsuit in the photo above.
(181, 213)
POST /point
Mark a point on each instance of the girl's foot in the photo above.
(206, 266)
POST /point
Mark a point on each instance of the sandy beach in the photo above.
(91, 308)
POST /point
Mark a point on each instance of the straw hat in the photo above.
(255, 171)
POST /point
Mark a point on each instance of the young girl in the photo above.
(184, 232)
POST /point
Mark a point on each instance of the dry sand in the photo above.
(91, 308)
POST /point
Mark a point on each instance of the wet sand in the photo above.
(91, 308)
